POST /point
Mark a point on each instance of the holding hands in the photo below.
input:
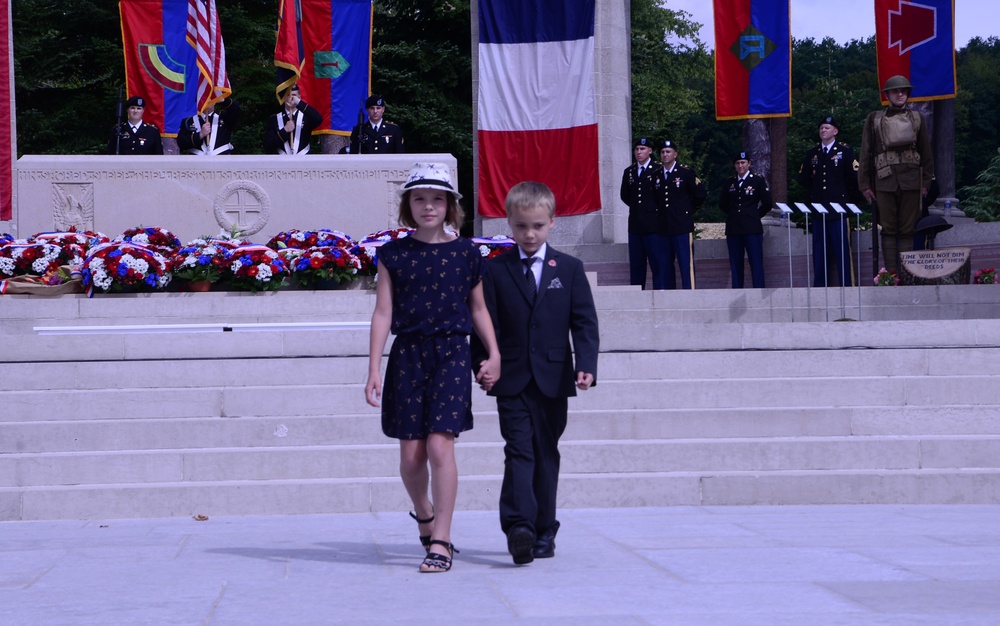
(489, 372)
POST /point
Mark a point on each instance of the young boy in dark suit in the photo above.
(536, 305)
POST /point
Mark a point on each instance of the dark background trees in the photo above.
(69, 68)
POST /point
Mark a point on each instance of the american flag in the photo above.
(205, 35)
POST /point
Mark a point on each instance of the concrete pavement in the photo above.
(774, 565)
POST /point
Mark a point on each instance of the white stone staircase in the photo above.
(710, 397)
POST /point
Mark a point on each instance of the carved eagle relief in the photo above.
(73, 205)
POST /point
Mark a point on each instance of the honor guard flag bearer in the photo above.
(325, 47)
(174, 58)
(537, 112)
(753, 59)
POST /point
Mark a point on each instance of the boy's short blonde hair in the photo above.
(530, 194)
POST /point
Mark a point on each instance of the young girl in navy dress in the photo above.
(430, 296)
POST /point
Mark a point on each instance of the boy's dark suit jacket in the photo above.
(533, 338)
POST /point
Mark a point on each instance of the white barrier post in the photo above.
(787, 212)
(805, 209)
(826, 272)
(843, 293)
(857, 213)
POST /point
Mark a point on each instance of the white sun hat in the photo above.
(429, 176)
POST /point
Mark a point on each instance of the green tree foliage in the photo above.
(977, 133)
(422, 66)
(68, 66)
(829, 79)
(669, 63)
(672, 92)
(982, 200)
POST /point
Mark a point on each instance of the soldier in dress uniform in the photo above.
(745, 199)
(133, 136)
(210, 134)
(377, 135)
(829, 173)
(642, 185)
(290, 131)
(683, 194)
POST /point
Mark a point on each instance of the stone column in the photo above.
(613, 47)
(944, 156)
(613, 101)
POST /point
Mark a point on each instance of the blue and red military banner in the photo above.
(325, 46)
(7, 144)
(537, 110)
(162, 59)
(916, 39)
(753, 59)
(289, 49)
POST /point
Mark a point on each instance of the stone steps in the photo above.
(362, 461)
(707, 397)
(632, 489)
(195, 433)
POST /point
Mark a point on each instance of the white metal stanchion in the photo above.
(826, 271)
(843, 279)
(806, 211)
(857, 213)
(786, 212)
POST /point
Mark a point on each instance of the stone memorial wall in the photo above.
(260, 195)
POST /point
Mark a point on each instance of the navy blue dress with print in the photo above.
(428, 380)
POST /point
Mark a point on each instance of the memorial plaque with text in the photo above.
(947, 266)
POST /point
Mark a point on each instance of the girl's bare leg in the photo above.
(416, 479)
(444, 481)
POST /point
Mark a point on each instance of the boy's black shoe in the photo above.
(520, 542)
(545, 545)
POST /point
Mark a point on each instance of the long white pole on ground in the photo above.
(805, 209)
(840, 265)
(219, 327)
(786, 211)
(826, 272)
(857, 213)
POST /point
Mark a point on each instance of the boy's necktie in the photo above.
(530, 277)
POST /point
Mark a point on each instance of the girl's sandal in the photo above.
(434, 562)
(425, 540)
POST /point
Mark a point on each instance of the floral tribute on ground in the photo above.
(45, 260)
(202, 260)
(255, 268)
(160, 239)
(368, 247)
(987, 276)
(325, 265)
(150, 258)
(490, 247)
(886, 278)
(118, 266)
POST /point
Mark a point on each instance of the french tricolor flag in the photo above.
(537, 112)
